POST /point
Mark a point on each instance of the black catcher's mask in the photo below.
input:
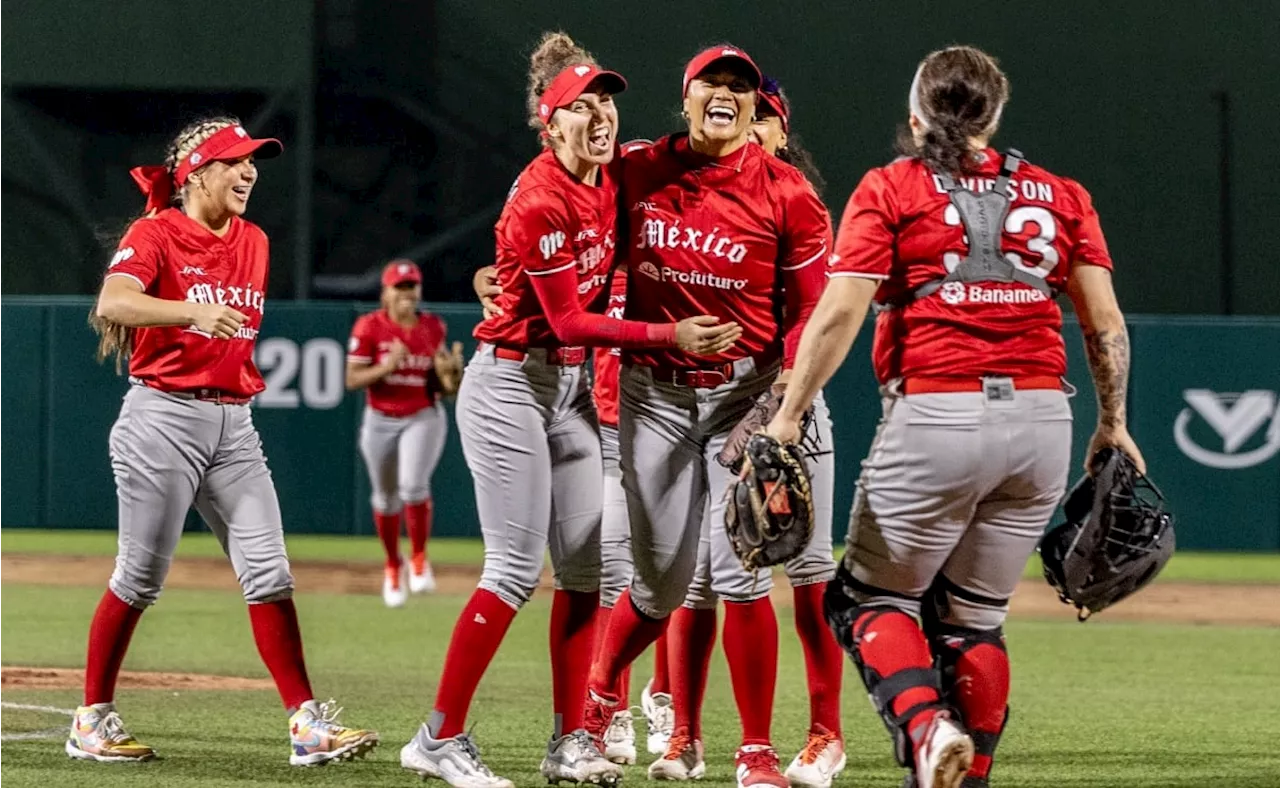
(1116, 539)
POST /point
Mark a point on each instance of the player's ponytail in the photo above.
(958, 95)
(555, 52)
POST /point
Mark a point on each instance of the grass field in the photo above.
(1099, 704)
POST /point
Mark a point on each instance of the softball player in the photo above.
(716, 225)
(183, 301)
(397, 355)
(692, 628)
(964, 249)
(528, 428)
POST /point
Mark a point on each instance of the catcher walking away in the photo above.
(973, 450)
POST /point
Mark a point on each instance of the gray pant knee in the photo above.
(268, 582)
(415, 494)
(513, 585)
(386, 503)
(134, 591)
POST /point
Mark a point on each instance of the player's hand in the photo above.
(485, 283)
(448, 362)
(219, 321)
(784, 429)
(1114, 437)
(705, 335)
(396, 354)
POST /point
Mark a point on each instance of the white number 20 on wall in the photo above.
(320, 384)
(1016, 222)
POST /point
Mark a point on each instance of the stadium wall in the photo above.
(1203, 407)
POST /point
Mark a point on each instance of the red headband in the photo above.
(226, 144)
(573, 82)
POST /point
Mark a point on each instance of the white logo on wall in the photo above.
(1236, 418)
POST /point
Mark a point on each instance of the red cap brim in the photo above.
(573, 82)
(265, 148)
(703, 60)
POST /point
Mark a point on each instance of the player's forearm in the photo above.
(360, 377)
(135, 309)
(827, 337)
(804, 289)
(1106, 347)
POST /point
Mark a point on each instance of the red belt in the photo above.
(211, 395)
(556, 356)
(694, 377)
(948, 385)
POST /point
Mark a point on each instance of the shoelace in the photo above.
(815, 746)
(113, 729)
(618, 725)
(472, 752)
(586, 743)
(676, 746)
(760, 759)
(663, 718)
(329, 711)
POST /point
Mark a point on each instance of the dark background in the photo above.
(404, 122)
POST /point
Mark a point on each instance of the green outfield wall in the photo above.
(1203, 407)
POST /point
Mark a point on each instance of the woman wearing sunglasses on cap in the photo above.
(397, 355)
(715, 225)
(182, 301)
(528, 427)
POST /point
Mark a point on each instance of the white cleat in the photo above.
(574, 758)
(455, 760)
(819, 763)
(394, 586)
(620, 738)
(682, 760)
(660, 714)
(944, 755)
(421, 582)
(98, 734)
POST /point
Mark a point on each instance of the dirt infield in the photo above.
(73, 678)
(1192, 603)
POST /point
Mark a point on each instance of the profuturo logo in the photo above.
(1236, 418)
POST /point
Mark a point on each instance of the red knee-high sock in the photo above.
(823, 658)
(573, 620)
(109, 635)
(480, 629)
(623, 689)
(691, 637)
(388, 526)
(889, 642)
(279, 641)
(417, 521)
(981, 694)
(629, 633)
(661, 668)
(751, 647)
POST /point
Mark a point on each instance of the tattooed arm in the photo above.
(1106, 345)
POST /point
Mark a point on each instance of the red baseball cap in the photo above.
(227, 144)
(573, 82)
(398, 272)
(706, 57)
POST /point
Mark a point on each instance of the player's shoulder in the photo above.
(1074, 196)
(430, 320)
(253, 235)
(366, 322)
(154, 228)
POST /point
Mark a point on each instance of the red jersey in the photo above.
(900, 226)
(403, 392)
(608, 360)
(739, 238)
(552, 222)
(175, 258)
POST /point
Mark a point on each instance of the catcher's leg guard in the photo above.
(892, 657)
(974, 667)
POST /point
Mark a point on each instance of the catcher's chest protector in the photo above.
(983, 215)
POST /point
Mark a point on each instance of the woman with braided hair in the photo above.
(182, 303)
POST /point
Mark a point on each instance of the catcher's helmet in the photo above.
(1116, 539)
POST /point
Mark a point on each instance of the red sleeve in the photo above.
(806, 245)
(541, 230)
(1090, 247)
(140, 253)
(558, 294)
(865, 244)
(363, 344)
